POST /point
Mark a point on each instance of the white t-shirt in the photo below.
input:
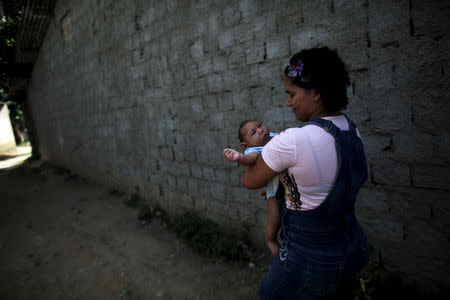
(309, 153)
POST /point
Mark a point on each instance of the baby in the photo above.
(253, 136)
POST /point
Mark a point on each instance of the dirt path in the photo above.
(62, 237)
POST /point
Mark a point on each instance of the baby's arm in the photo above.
(246, 160)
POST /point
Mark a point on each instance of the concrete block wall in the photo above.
(148, 93)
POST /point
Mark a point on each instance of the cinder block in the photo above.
(318, 11)
(204, 67)
(241, 101)
(430, 111)
(226, 39)
(268, 73)
(207, 172)
(388, 120)
(248, 8)
(432, 176)
(377, 144)
(254, 53)
(210, 102)
(216, 121)
(201, 87)
(197, 49)
(191, 71)
(309, 37)
(277, 47)
(181, 183)
(220, 191)
(389, 22)
(241, 195)
(200, 27)
(225, 102)
(429, 17)
(172, 5)
(215, 83)
(196, 171)
(259, 97)
(213, 22)
(390, 172)
(219, 64)
(420, 146)
(253, 79)
(148, 16)
(193, 186)
(232, 82)
(236, 59)
(264, 25)
(243, 33)
(230, 16)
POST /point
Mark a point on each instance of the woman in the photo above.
(322, 166)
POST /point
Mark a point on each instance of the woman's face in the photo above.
(304, 102)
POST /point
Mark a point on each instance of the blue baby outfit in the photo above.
(272, 186)
(325, 247)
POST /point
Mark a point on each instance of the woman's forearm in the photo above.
(257, 175)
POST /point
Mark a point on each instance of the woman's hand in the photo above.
(274, 247)
(231, 154)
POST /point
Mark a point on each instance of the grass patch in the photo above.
(386, 285)
(145, 213)
(207, 238)
(133, 200)
(23, 144)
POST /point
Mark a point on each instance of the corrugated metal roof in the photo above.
(34, 21)
(36, 15)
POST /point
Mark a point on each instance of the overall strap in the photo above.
(351, 125)
(325, 124)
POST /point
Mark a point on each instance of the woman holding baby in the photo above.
(322, 166)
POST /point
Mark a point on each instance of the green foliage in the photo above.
(394, 287)
(133, 200)
(145, 213)
(15, 110)
(390, 286)
(206, 237)
(8, 31)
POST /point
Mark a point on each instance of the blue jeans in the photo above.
(301, 275)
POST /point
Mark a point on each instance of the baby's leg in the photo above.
(273, 225)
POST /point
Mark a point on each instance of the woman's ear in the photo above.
(316, 95)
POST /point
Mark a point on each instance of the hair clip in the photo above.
(295, 69)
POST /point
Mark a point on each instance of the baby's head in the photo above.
(253, 134)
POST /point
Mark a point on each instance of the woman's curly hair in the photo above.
(324, 71)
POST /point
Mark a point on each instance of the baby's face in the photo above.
(255, 134)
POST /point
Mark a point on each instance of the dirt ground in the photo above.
(62, 237)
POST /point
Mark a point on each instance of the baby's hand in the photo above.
(231, 155)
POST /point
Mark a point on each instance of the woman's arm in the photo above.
(257, 175)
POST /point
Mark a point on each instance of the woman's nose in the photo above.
(288, 101)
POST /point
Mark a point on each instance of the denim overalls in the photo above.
(323, 248)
